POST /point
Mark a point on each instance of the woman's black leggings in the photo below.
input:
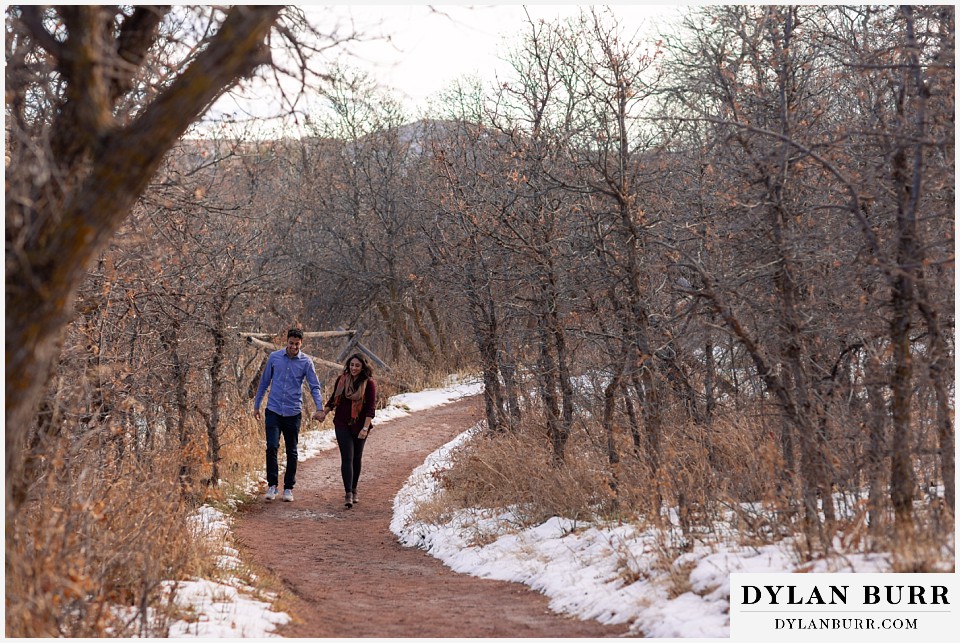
(351, 453)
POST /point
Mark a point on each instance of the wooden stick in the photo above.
(306, 334)
(354, 340)
(328, 333)
(262, 344)
(376, 360)
(267, 346)
(354, 344)
(326, 363)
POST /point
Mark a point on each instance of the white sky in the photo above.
(431, 45)
(416, 50)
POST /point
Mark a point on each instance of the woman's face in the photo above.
(355, 367)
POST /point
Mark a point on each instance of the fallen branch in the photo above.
(306, 334)
(269, 347)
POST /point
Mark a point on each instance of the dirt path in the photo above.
(344, 573)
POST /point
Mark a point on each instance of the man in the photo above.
(284, 374)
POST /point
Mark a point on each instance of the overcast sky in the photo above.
(431, 45)
(418, 49)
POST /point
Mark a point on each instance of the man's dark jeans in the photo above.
(289, 426)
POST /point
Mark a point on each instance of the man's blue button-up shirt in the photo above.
(284, 375)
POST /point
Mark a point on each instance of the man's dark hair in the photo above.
(295, 332)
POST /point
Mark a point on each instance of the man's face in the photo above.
(293, 346)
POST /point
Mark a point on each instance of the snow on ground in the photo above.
(233, 608)
(612, 573)
(585, 569)
(224, 609)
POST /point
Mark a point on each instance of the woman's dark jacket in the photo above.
(341, 415)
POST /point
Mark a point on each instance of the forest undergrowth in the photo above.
(110, 521)
(722, 486)
(101, 531)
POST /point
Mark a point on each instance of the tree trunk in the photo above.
(710, 374)
(442, 343)
(508, 369)
(609, 406)
(216, 387)
(432, 355)
(395, 317)
(177, 416)
(787, 450)
(635, 430)
(651, 425)
(547, 379)
(566, 387)
(901, 469)
(43, 273)
(876, 446)
(483, 319)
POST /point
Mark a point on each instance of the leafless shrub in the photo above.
(92, 541)
(515, 471)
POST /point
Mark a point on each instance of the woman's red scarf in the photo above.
(347, 388)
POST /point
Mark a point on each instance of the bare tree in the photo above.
(96, 99)
(369, 253)
(84, 152)
(462, 155)
(802, 148)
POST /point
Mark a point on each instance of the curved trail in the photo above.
(345, 575)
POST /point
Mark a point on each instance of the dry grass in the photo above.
(243, 444)
(515, 471)
(727, 476)
(413, 376)
(92, 537)
(921, 549)
(102, 529)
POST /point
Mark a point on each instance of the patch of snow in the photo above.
(611, 573)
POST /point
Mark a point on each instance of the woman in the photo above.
(353, 403)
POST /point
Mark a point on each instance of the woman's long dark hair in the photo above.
(366, 372)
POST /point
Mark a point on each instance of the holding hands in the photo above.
(320, 414)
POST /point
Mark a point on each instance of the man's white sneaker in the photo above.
(271, 493)
(288, 495)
